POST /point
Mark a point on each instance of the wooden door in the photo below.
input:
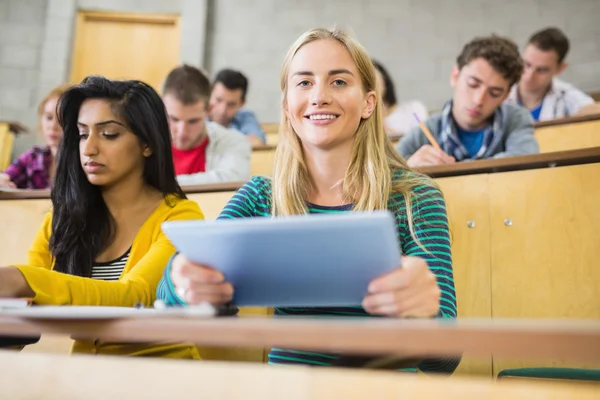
(545, 235)
(125, 46)
(467, 203)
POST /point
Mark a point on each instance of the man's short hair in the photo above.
(551, 39)
(233, 80)
(500, 52)
(188, 84)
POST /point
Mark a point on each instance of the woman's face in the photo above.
(109, 152)
(325, 97)
(51, 130)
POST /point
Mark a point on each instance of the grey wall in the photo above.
(22, 26)
(417, 40)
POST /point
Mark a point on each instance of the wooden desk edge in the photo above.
(533, 161)
(576, 340)
(567, 120)
(192, 189)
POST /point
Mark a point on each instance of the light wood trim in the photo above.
(162, 19)
(265, 147)
(192, 189)
(34, 376)
(567, 120)
(533, 161)
(577, 341)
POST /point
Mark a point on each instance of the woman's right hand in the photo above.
(195, 283)
(6, 182)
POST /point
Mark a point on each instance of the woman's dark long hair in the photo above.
(82, 226)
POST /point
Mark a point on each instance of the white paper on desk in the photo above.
(9, 189)
(102, 312)
(14, 303)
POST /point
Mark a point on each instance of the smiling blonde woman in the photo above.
(334, 156)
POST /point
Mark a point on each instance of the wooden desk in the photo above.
(569, 133)
(534, 161)
(35, 376)
(525, 243)
(262, 160)
(575, 341)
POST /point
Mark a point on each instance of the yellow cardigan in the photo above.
(149, 255)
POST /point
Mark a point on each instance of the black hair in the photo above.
(389, 97)
(82, 226)
(233, 80)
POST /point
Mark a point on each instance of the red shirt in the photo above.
(190, 161)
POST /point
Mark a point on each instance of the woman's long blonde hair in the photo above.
(374, 166)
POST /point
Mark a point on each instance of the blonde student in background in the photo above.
(102, 243)
(35, 168)
(334, 156)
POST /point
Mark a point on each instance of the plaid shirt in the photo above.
(32, 169)
(451, 144)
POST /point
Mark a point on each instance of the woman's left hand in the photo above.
(408, 291)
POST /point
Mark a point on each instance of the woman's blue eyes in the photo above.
(337, 82)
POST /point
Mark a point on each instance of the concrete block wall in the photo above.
(22, 25)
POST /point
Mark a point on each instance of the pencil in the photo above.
(427, 133)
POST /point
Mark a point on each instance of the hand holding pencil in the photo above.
(429, 154)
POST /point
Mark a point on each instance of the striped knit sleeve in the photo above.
(251, 200)
(431, 229)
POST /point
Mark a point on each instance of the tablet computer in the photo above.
(306, 260)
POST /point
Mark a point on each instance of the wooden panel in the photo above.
(125, 46)
(6, 145)
(21, 220)
(545, 264)
(35, 376)
(261, 161)
(568, 137)
(55, 344)
(468, 211)
(211, 204)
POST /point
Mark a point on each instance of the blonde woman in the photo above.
(334, 156)
(35, 168)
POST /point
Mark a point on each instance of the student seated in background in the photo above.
(203, 151)
(333, 130)
(35, 168)
(102, 243)
(398, 118)
(476, 124)
(539, 90)
(227, 98)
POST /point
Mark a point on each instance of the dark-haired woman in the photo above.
(398, 118)
(115, 185)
